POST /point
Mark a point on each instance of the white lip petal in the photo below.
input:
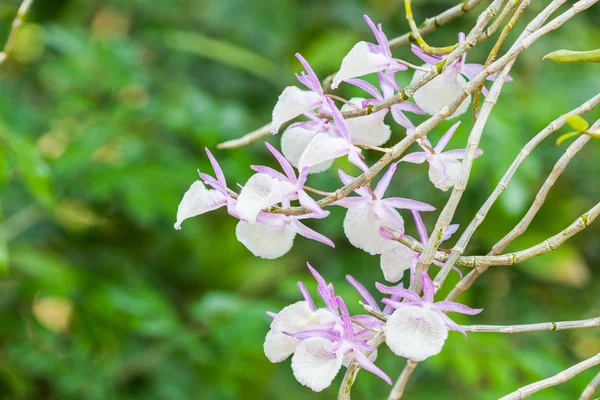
(259, 192)
(395, 262)
(198, 200)
(279, 346)
(293, 143)
(315, 364)
(323, 147)
(452, 170)
(358, 62)
(265, 241)
(440, 91)
(293, 102)
(361, 227)
(415, 333)
(369, 129)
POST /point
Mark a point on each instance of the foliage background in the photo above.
(104, 114)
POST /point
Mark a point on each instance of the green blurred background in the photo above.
(105, 110)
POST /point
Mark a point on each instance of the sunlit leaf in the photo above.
(578, 123)
(566, 136)
(568, 56)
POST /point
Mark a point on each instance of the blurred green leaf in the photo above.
(566, 136)
(578, 123)
(569, 56)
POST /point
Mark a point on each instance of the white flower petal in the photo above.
(265, 241)
(358, 62)
(198, 200)
(279, 346)
(259, 192)
(293, 143)
(415, 333)
(315, 364)
(452, 170)
(369, 129)
(361, 226)
(323, 147)
(395, 262)
(291, 103)
(349, 357)
(440, 91)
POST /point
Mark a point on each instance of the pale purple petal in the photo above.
(346, 322)
(307, 297)
(351, 202)
(313, 82)
(399, 291)
(451, 325)
(363, 292)
(355, 158)
(305, 231)
(389, 216)
(410, 107)
(217, 168)
(429, 59)
(421, 229)
(428, 288)
(399, 202)
(269, 171)
(367, 364)
(307, 334)
(446, 138)
(451, 306)
(400, 118)
(415, 158)
(384, 182)
(308, 202)
(366, 86)
(285, 165)
(449, 231)
(459, 154)
(338, 119)
(347, 179)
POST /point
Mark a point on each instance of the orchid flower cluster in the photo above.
(321, 340)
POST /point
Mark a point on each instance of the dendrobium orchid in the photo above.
(443, 89)
(444, 167)
(294, 101)
(368, 212)
(366, 58)
(401, 258)
(418, 328)
(272, 235)
(331, 144)
(269, 187)
(329, 341)
(296, 138)
(199, 200)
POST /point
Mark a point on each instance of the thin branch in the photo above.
(591, 388)
(400, 385)
(14, 30)
(555, 125)
(562, 377)
(544, 326)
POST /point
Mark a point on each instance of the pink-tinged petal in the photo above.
(347, 179)
(449, 231)
(361, 226)
(394, 262)
(261, 169)
(314, 78)
(261, 191)
(395, 304)
(271, 314)
(367, 364)
(322, 214)
(399, 202)
(355, 158)
(386, 233)
(209, 180)
(322, 333)
(429, 59)
(415, 158)
(291, 103)
(384, 182)
(323, 147)
(308, 202)
(305, 231)
(307, 297)
(451, 325)
(428, 288)
(285, 165)
(472, 70)
(198, 200)
(398, 291)
(376, 31)
(346, 322)
(366, 86)
(315, 364)
(363, 292)
(302, 177)
(358, 62)
(400, 118)
(264, 241)
(351, 202)
(459, 154)
(391, 217)
(217, 168)
(421, 229)
(444, 174)
(450, 306)
(338, 118)
(446, 138)
(410, 107)
(415, 333)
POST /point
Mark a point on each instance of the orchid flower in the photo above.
(294, 101)
(444, 167)
(443, 89)
(296, 138)
(369, 129)
(272, 235)
(199, 200)
(366, 58)
(418, 328)
(401, 258)
(368, 212)
(330, 145)
(269, 187)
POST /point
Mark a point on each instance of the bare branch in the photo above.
(591, 388)
(544, 326)
(14, 30)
